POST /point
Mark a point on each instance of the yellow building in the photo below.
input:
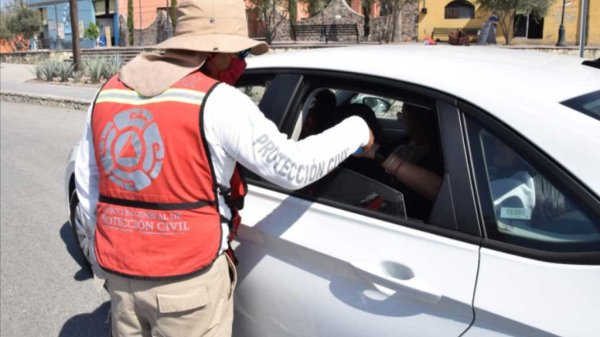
(467, 14)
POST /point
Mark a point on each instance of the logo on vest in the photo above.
(131, 149)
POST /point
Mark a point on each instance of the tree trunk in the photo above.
(506, 27)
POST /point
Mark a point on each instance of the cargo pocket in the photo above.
(192, 300)
(223, 318)
(232, 277)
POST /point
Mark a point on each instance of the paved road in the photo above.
(43, 290)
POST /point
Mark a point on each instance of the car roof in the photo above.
(521, 88)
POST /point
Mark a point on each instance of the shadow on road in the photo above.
(66, 235)
(95, 324)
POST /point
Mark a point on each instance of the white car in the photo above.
(508, 246)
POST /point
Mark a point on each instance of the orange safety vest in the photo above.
(158, 213)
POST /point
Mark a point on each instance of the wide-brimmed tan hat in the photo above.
(203, 27)
(215, 26)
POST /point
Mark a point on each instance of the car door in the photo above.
(540, 259)
(318, 265)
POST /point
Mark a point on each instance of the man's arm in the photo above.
(255, 142)
(86, 173)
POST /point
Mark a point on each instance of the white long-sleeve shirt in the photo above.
(237, 131)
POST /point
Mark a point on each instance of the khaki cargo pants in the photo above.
(199, 306)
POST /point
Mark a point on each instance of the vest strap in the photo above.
(157, 206)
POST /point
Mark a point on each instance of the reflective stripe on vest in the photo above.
(157, 215)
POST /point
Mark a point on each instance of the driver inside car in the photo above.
(416, 167)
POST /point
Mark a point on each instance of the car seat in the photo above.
(321, 114)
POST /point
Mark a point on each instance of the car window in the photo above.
(588, 104)
(383, 107)
(364, 183)
(254, 91)
(524, 206)
(254, 85)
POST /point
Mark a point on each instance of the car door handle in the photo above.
(389, 277)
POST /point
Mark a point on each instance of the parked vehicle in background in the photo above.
(509, 247)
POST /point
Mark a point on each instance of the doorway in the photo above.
(529, 26)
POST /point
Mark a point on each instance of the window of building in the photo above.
(100, 7)
(103, 7)
(459, 9)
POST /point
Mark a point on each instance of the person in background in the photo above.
(156, 172)
(493, 20)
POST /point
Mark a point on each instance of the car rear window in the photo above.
(589, 104)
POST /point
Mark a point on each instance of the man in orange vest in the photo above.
(157, 162)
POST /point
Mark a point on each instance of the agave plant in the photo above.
(94, 68)
(37, 72)
(77, 74)
(48, 69)
(112, 66)
(65, 71)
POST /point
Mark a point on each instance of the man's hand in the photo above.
(368, 151)
(369, 145)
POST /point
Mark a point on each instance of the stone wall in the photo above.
(151, 35)
(146, 36)
(337, 12)
(163, 26)
(34, 57)
(282, 29)
(45, 100)
(382, 28)
(122, 31)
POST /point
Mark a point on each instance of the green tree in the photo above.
(507, 12)
(5, 33)
(293, 13)
(390, 10)
(315, 6)
(13, 5)
(24, 21)
(173, 13)
(366, 9)
(293, 10)
(92, 32)
(393, 29)
(272, 13)
(130, 22)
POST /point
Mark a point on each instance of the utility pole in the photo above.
(75, 35)
(583, 27)
(167, 27)
(323, 31)
(561, 29)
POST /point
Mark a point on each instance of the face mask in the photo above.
(233, 73)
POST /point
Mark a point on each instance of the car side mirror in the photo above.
(378, 105)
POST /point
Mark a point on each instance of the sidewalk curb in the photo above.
(45, 100)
